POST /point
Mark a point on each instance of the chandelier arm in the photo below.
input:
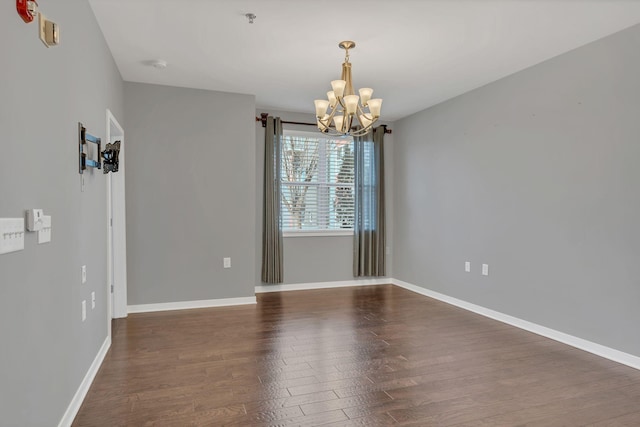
(333, 132)
(348, 125)
(360, 112)
(362, 131)
(366, 129)
(322, 121)
(367, 116)
(333, 113)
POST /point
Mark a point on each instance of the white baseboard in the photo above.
(185, 305)
(582, 344)
(78, 398)
(321, 285)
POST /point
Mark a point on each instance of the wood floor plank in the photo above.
(628, 420)
(375, 409)
(361, 356)
(373, 420)
(313, 420)
(361, 381)
(364, 399)
(469, 409)
(285, 402)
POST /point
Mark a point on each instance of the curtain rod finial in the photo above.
(263, 119)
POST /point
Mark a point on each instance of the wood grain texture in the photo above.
(361, 356)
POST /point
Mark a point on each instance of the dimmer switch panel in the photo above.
(11, 235)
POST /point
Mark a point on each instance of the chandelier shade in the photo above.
(344, 112)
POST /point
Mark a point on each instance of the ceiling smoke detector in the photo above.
(158, 64)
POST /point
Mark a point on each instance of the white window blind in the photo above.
(317, 182)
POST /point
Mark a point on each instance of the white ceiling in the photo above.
(414, 53)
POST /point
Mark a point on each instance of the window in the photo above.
(317, 183)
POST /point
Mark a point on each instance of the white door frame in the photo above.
(116, 229)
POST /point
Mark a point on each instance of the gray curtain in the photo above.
(272, 262)
(369, 225)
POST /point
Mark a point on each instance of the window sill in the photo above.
(329, 233)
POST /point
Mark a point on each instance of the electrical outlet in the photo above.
(84, 310)
(93, 300)
(467, 266)
(485, 269)
(227, 262)
(84, 274)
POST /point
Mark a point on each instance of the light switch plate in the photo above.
(93, 300)
(467, 266)
(485, 269)
(227, 262)
(48, 31)
(84, 274)
(44, 235)
(11, 235)
(84, 310)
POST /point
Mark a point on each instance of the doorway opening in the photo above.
(116, 229)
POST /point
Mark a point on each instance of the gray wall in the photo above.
(190, 194)
(537, 175)
(182, 223)
(316, 259)
(46, 349)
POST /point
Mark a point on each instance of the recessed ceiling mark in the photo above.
(250, 17)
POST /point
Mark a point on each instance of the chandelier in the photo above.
(345, 113)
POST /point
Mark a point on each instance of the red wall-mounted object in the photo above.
(27, 9)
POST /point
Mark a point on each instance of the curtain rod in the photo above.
(263, 119)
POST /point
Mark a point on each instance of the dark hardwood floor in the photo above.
(362, 356)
